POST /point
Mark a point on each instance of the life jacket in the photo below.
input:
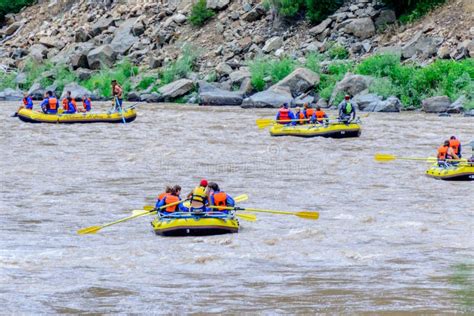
(25, 101)
(162, 196)
(348, 108)
(87, 104)
(301, 117)
(309, 113)
(455, 144)
(52, 103)
(65, 104)
(320, 115)
(220, 199)
(171, 199)
(284, 115)
(443, 152)
(199, 195)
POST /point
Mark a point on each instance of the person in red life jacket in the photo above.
(71, 106)
(117, 92)
(86, 103)
(300, 117)
(50, 103)
(309, 112)
(170, 198)
(320, 116)
(455, 144)
(27, 104)
(219, 198)
(284, 115)
(446, 152)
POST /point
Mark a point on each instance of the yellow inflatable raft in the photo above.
(187, 224)
(30, 116)
(335, 130)
(461, 172)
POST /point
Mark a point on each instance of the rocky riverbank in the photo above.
(246, 55)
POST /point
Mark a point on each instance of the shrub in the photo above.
(181, 67)
(313, 61)
(8, 6)
(335, 72)
(337, 51)
(200, 13)
(7, 80)
(410, 10)
(318, 10)
(145, 82)
(383, 87)
(261, 68)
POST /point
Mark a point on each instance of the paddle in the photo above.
(387, 158)
(118, 106)
(239, 198)
(304, 214)
(94, 229)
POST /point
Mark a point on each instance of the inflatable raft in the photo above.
(30, 116)
(189, 224)
(461, 172)
(335, 130)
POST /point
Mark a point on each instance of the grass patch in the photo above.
(181, 67)
(200, 13)
(276, 69)
(7, 80)
(145, 83)
(337, 51)
(8, 6)
(410, 11)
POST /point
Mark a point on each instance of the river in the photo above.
(389, 239)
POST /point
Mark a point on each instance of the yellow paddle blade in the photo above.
(247, 217)
(384, 157)
(241, 198)
(263, 123)
(89, 230)
(308, 215)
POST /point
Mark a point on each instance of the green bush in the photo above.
(181, 67)
(411, 10)
(146, 82)
(313, 61)
(318, 10)
(200, 13)
(8, 6)
(383, 87)
(337, 51)
(7, 80)
(278, 69)
(335, 72)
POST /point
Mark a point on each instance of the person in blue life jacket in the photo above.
(169, 198)
(219, 198)
(198, 198)
(347, 110)
(86, 104)
(50, 103)
(27, 104)
(300, 117)
(284, 115)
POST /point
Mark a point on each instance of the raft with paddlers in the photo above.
(449, 169)
(334, 130)
(30, 116)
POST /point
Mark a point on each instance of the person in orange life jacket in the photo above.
(117, 94)
(300, 116)
(86, 103)
(169, 198)
(66, 101)
(199, 197)
(308, 112)
(446, 152)
(71, 106)
(284, 114)
(49, 104)
(27, 104)
(320, 116)
(456, 145)
(219, 198)
(162, 195)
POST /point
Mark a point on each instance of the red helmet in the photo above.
(203, 183)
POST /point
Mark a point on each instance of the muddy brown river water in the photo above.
(389, 239)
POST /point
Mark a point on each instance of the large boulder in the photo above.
(351, 84)
(74, 55)
(77, 91)
(10, 95)
(437, 104)
(272, 44)
(458, 105)
(211, 95)
(176, 89)
(392, 104)
(36, 91)
(318, 29)
(101, 56)
(254, 14)
(385, 18)
(422, 46)
(299, 81)
(271, 98)
(365, 101)
(239, 75)
(101, 25)
(38, 52)
(217, 4)
(362, 28)
(123, 37)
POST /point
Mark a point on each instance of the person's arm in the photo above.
(340, 108)
(277, 117)
(160, 203)
(230, 201)
(354, 106)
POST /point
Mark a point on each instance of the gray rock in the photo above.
(77, 91)
(299, 81)
(318, 29)
(179, 18)
(470, 113)
(176, 89)
(253, 15)
(271, 98)
(211, 95)
(313, 47)
(239, 75)
(133, 96)
(11, 95)
(123, 37)
(362, 28)
(365, 101)
(101, 56)
(392, 104)
(421, 45)
(81, 35)
(217, 4)
(458, 105)
(385, 17)
(83, 74)
(272, 44)
(36, 91)
(74, 55)
(21, 78)
(323, 103)
(151, 97)
(436, 104)
(223, 69)
(38, 52)
(352, 85)
(302, 99)
(101, 25)
(12, 28)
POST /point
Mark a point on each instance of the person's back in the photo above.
(28, 102)
(320, 115)
(169, 198)
(284, 115)
(347, 111)
(198, 197)
(70, 106)
(220, 198)
(87, 104)
(300, 117)
(50, 103)
(456, 145)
